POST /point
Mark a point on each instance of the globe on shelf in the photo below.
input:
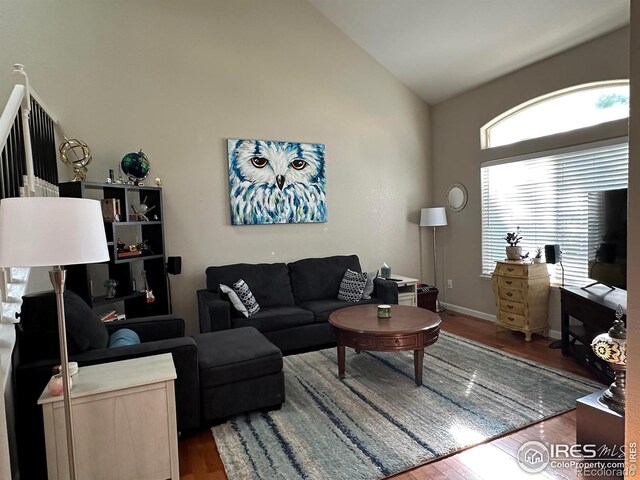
(136, 166)
(75, 154)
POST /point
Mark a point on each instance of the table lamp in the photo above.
(53, 232)
(434, 217)
(612, 348)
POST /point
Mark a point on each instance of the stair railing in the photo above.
(28, 165)
(27, 143)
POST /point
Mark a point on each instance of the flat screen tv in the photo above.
(608, 237)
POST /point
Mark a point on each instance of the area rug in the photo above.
(377, 422)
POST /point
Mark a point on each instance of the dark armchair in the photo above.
(37, 352)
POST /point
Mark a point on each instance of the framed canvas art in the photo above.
(276, 182)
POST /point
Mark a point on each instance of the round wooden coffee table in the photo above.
(409, 328)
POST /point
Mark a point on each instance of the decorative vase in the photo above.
(56, 386)
(514, 253)
(612, 348)
(537, 259)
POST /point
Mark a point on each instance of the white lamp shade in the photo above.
(51, 231)
(433, 217)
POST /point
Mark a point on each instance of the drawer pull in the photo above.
(509, 306)
(508, 282)
(397, 341)
(510, 269)
(509, 294)
(511, 318)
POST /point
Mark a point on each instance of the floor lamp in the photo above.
(434, 217)
(53, 232)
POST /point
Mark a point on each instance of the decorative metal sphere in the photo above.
(76, 154)
(136, 166)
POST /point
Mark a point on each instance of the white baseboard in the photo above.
(555, 334)
(472, 313)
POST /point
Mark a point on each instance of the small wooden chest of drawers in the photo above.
(521, 292)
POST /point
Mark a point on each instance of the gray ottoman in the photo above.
(240, 371)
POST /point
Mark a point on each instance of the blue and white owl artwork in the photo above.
(276, 182)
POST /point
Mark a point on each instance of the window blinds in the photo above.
(548, 198)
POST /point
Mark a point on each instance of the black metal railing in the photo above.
(13, 161)
(13, 165)
(43, 144)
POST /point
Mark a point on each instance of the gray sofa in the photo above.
(295, 299)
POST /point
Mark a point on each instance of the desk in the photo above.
(594, 311)
(124, 422)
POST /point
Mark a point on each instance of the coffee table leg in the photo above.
(341, 361)
(418, 357)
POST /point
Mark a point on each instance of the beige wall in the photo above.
(633, 300)
(178, 78)
(457, 156)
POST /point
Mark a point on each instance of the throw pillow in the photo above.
(368, 288)
(234, 299)
(85, 331)
(123, 338)
(246, 297)
(352, 286)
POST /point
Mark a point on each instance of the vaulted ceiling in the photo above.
(440, 48)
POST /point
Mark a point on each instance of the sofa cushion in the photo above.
(233, 355)
(352, 286)
(85, 330)
(123, 338)
(269, 282)
(233, 297)
(319, 278)
(323, 308)
(275, 318)
(246, 297)
(368, 288)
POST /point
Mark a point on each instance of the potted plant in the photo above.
(538, 257)
(514, 252)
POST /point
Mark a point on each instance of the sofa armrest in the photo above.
(214, 312)
(151, 329)
(385, 290)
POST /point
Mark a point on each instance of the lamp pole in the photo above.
(58, 277)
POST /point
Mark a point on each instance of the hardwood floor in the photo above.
(199, 459)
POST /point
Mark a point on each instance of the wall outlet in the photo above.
(449, 283)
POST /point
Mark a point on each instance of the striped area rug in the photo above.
(377, 422)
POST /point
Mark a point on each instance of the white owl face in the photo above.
(278, 164)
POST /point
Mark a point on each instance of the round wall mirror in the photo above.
(456, 197)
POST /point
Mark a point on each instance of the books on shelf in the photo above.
(112, 316)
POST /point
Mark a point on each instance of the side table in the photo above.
(407, 290)
(124, 421)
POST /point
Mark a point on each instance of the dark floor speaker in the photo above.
(552, 253)
(174, 265)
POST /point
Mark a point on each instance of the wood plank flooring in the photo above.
(496, 460)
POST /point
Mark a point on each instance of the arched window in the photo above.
(561, 111)
(566, 196)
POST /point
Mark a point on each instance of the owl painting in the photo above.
(276, 182)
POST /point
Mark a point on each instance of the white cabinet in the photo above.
(124, 422)
(407, 290)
